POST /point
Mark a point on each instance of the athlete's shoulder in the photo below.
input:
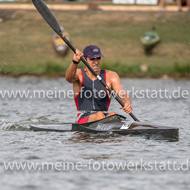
(78, 77)
(79, 72)
(111, 74)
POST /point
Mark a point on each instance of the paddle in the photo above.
(52, 21)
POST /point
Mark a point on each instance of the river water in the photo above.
(74, 160)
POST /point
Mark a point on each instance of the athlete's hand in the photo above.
(77, 56)
(127, 108)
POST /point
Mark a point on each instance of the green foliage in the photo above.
(51, 68)
(182, 69)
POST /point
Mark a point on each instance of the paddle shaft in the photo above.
(52, 21)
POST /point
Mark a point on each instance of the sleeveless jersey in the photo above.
(92, 95)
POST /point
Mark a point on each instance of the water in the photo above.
(91, 161)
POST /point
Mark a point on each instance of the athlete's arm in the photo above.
(72, 73)
(117, 87)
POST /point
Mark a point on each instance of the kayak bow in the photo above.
(60, 46)
(150, 39)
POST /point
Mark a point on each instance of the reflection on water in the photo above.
(19, 144)
(106, 137)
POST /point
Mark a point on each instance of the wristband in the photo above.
(76, 62)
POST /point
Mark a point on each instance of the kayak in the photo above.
(60, 46)
(150, 39)
(116, 124)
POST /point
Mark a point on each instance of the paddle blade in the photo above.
(48, 16)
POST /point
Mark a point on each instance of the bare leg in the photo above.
(188, 5)
(111, 113)
(99, 115)
(179, 5)
(161, 4)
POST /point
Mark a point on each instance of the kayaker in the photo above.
(91, 98)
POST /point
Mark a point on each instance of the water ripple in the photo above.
(21, 145)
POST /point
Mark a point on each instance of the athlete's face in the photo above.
(94, 63)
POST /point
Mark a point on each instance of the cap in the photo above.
(92, 51)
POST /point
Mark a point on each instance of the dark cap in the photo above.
(92, 51)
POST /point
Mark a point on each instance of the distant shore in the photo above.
(27, 49)
(84, 6)
(140, 76)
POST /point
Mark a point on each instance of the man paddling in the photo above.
(91, 98)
